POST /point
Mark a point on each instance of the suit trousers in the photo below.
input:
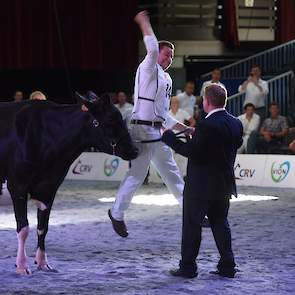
(157, 153)
(194, 211)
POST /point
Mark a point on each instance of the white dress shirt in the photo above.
(249, 126)
(152, 83)
(125, 109)
(187, 102)
(254, 95)
(181, 115)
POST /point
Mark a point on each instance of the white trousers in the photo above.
(160, 155)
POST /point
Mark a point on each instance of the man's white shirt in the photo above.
(249, 126)
(187, 102)
(153, 83)
(125, 109)
(181, 115)
(254, 95)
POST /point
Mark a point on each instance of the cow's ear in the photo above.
(85, 103)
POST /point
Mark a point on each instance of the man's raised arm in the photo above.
(149, 38)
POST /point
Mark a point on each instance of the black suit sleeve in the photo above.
(201, 139)
(241, 135)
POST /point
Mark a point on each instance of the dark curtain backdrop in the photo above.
(95, 34)
(285, 21)
(230, 27)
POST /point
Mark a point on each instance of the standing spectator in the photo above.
(18, 96)
(187, 99)
(37, 95)
(256, 91)
(215, 79)
(273, 131)
(250, 122)
(179, 114)
(123, 106)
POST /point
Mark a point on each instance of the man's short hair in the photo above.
(190, 82)
(274, 103)
(249, 104)
(164, 43)
(256, 66)
(35, 93)
(216, 95)
(216, 69)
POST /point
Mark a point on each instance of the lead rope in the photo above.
(159, 139)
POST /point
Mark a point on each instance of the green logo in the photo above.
(280, 171)
(110, 167)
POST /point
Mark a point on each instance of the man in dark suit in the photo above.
(210, 182)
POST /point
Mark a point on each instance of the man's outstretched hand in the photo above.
(142, 17)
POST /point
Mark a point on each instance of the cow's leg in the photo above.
(42, 229)
(20, 211)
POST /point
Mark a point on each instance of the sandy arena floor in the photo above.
(92, 259)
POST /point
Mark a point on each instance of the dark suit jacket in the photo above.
(211, 155)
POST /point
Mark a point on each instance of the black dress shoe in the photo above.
(118, 226)
(180, 273)
(226, 274)
(206, 222)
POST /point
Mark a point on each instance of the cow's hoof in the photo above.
(46, 268)
(25, 271)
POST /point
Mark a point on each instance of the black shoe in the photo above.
(223, 273)
(180, 273)
(206, 222)
(118, 226)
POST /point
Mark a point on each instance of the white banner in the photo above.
(98, 166)
(250, 170)
(279, 171)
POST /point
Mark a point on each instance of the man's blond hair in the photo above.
(37, 93)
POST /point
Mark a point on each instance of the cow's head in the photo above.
(108, 120)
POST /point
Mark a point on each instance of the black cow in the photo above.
(39, 140)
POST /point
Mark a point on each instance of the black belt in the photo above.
(148, 123)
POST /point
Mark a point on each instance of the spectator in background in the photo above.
(292, 146)
(273, 131)
(256, 91)
(250, 122)
(18, 96)
(179, 114)
(123, 106)
(37, 95)
(215, 79)
(187, 99)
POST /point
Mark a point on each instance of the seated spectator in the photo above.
(123, 106)
(186, 99)
(179, 114)
(18, 96)
(250, 122)
(256, 91)
(37, 95)
(215, 79)
(273, 131)
(292, 146)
